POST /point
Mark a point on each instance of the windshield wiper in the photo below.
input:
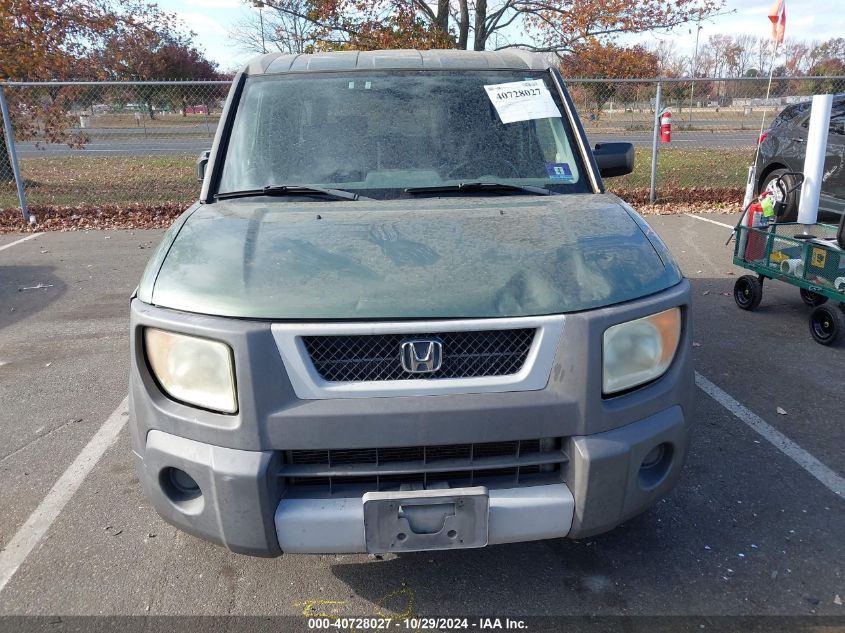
(480, 186)
(291, 190)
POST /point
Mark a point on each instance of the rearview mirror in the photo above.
(202, 163)
(614, 159)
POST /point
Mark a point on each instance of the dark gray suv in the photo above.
(782, 151)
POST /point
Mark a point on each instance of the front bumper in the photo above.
(244, 507)
(247, 505)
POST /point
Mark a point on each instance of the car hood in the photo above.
(504, 256)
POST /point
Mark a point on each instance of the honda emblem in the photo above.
(421, 356)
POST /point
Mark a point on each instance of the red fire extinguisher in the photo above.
(665, 127)
(756, 245)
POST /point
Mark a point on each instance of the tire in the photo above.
(811, 298)
(790, 214)
(748, 292)
(827, 325)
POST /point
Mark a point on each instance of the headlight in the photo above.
(638, 351)
(193, 370)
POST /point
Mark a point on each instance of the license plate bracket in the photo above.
(418, 520)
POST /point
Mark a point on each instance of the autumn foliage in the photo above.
(595, 60)
(557, 26)
(66, 40)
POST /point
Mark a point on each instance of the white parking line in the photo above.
(698, 217)
(23, 239)
(31, 532)
(825, 475)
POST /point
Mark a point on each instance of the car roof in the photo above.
(789, 114)
(513, 59)
(808, 99)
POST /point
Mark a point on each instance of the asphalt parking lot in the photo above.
(756, 527)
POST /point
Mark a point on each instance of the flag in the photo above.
(777, 14)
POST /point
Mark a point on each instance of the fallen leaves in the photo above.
(94, 217)
(673, 199)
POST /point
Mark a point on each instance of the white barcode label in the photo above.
(522, 100)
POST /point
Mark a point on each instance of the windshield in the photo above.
(380, 133)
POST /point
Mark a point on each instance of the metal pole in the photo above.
(13, 156)
(694, 68)
(258, 4)
(652, 196)
(261, 17)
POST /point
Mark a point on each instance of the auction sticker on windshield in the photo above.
(522, 100)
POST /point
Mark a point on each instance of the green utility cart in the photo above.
(815, 265)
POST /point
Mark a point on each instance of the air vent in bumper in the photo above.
(495, 464)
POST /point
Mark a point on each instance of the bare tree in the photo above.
(669, 62)
(742, 54)
(287, 30)
(817, 52)
(763, 50)
(716, 51)
(795, 56)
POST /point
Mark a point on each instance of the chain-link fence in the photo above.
(109, 143)
(118, 143)
(716, 124)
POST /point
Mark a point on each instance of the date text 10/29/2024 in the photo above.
(417, 624)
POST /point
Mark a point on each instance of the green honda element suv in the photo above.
(405, 315)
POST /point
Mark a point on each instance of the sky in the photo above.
(806, 19)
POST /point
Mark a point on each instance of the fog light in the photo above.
(182, 490)
(183, 482)
(653, 456)
(655, 466)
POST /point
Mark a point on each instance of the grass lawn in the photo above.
(69, 181)
(701, 167)
(77, 180)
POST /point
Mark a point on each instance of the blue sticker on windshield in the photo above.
(559, 171)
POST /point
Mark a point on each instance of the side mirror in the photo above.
(202, 163)
(614, 159)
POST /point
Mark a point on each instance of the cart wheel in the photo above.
(748, 292)
(827, 324)
(811, 298)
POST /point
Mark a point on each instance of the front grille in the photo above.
(354, 358)
(519, 462)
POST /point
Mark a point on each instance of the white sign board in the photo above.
(522, 100)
